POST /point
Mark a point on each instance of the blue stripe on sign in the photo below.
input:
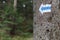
(45, 8)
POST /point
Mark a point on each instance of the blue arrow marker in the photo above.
(45, 8)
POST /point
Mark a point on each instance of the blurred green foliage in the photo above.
(19, 21)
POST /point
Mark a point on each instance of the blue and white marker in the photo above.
(45, 8)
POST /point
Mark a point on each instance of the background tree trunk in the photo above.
(46, 26)
(15, 4)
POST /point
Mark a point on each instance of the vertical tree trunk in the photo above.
(15, 4)
(46, 26)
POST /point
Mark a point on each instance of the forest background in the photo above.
(16, 19)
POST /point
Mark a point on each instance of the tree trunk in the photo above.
(15, 4)
(46, 26)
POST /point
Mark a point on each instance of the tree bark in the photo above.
(46, 26)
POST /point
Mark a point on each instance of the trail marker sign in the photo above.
(45, 8)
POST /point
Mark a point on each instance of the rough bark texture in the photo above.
(46, 26)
